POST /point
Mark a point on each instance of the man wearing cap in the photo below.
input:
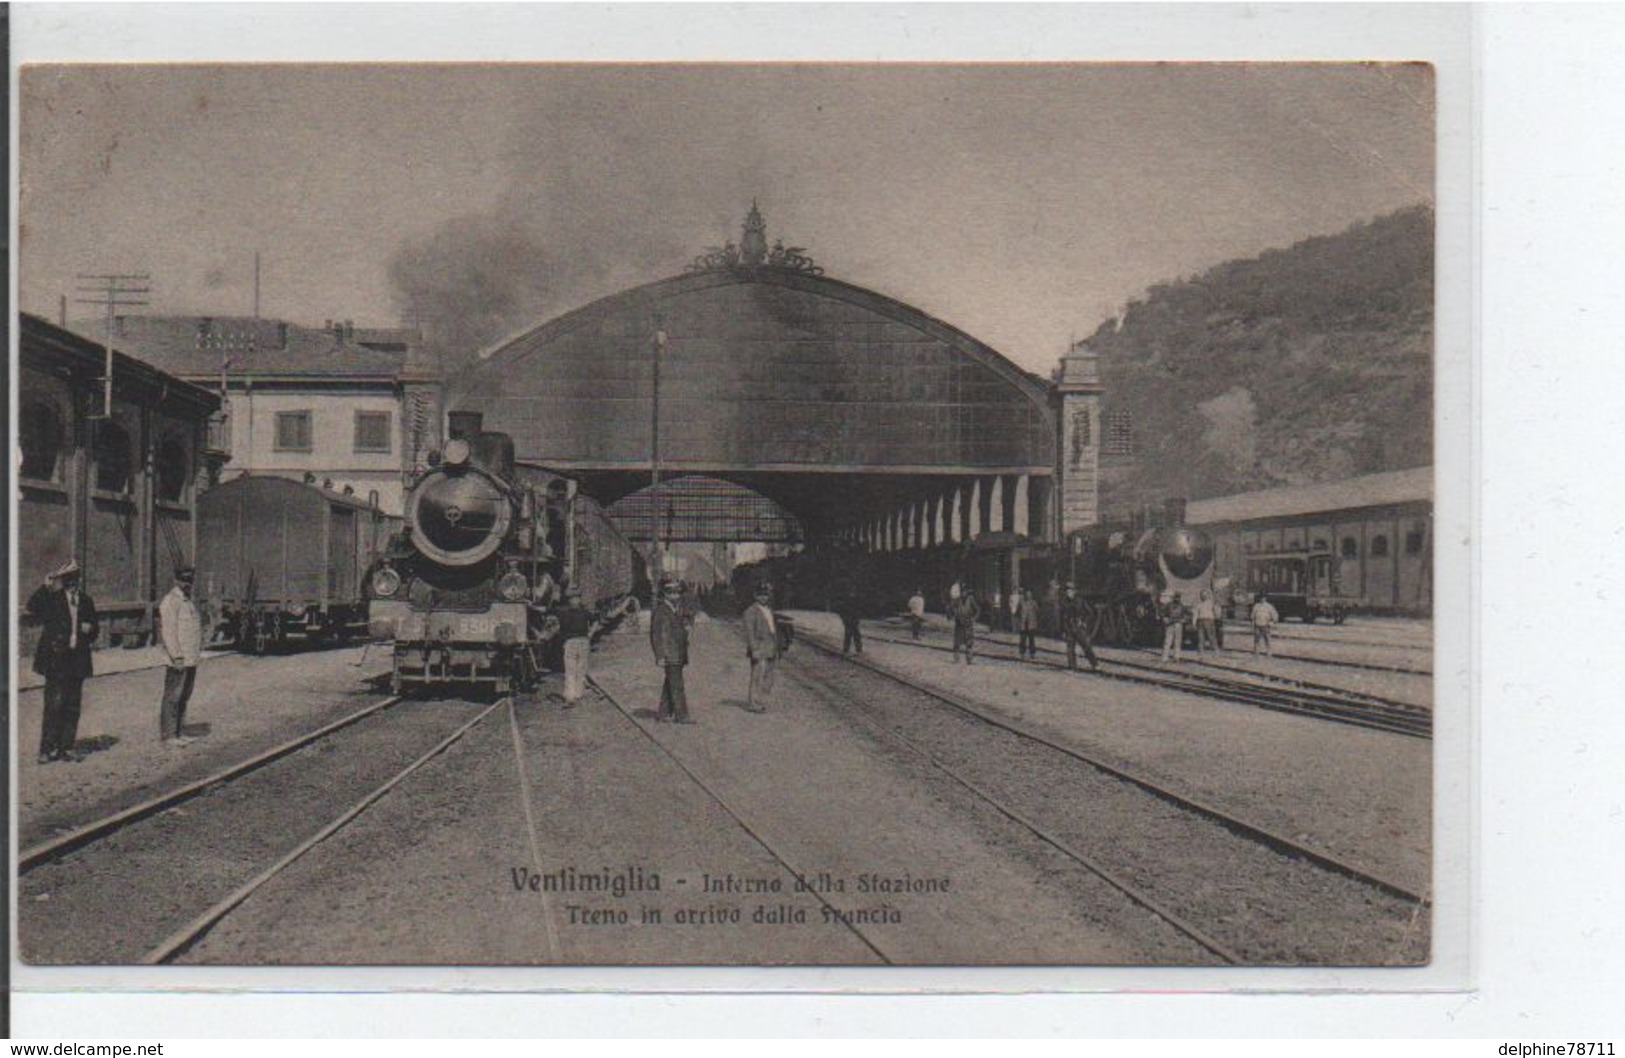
(1075, 622)
(182, 633)
(761, 647)
(69, 627)
(575, 628)
(668, 635)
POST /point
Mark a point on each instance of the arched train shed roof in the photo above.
(762, 369)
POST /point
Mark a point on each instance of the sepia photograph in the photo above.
(726, 514)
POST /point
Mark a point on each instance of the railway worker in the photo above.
(69, 627)
(761, 647)
(1265, 618)
(181, 630)
(668, 635)
(995, 612)
(965, 612)
(916, 612)
(849, 607)
(1075, 627)
(1207, 623)
(575, 629)
(1173, 628)
(1026, 617)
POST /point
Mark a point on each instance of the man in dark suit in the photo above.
(668, 635)
(69, 626)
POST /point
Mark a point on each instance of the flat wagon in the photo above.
(281, 563)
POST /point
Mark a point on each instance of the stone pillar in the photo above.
(1078, 396)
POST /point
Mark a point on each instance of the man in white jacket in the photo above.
(182, 631)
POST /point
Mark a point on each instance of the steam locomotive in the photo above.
(466, 593)
(1125, 573)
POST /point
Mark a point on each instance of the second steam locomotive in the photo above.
(466, 593)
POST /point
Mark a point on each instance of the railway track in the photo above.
(1354, 708)
(1340, 663)
(1225, 949)
(739, 819)
(84, 839)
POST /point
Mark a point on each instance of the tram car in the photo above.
(467, 591)
(281, 563)
(1300, 584)
(1124, 573)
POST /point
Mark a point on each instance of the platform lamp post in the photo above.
(657, 348)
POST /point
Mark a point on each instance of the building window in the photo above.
(114, 454)
(1119, 434)
(1413, 540)
(372, 431)
(293, 431)
(465, 424)
(173, 469)
(1379, 546)
(39, 435)
(1351, 547)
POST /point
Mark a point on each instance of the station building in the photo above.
(351, 408)
(115, 492)
(1367, 541)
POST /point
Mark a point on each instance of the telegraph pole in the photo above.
(112, 292)
(657, 348)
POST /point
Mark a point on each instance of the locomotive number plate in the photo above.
(476, 626)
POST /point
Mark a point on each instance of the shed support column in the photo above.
(1040, 517)
(973, 528)
(995, 506)
(1023, 501)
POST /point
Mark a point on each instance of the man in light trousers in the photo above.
(762, 647)
(181, 629)
(575, 628)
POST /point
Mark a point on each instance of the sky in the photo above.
(1024, 204)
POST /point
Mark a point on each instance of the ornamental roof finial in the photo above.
(752, 251)
(753, 244)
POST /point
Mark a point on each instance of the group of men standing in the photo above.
(69, 626)
(964, 611)
(668, 637)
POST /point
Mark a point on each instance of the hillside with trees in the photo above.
(1302, 365)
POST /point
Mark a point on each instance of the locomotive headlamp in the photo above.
(456, 453)
(513, 586)
(297, 609)
(385, 582)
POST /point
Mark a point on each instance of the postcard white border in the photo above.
(377, 32)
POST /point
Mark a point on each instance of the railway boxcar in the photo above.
(280, 562)
(466, 593)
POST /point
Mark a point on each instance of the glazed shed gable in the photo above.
(761, 369)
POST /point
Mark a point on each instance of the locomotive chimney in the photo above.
(1173, 512)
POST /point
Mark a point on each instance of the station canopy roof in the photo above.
(763, 370)
(1369, 490)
